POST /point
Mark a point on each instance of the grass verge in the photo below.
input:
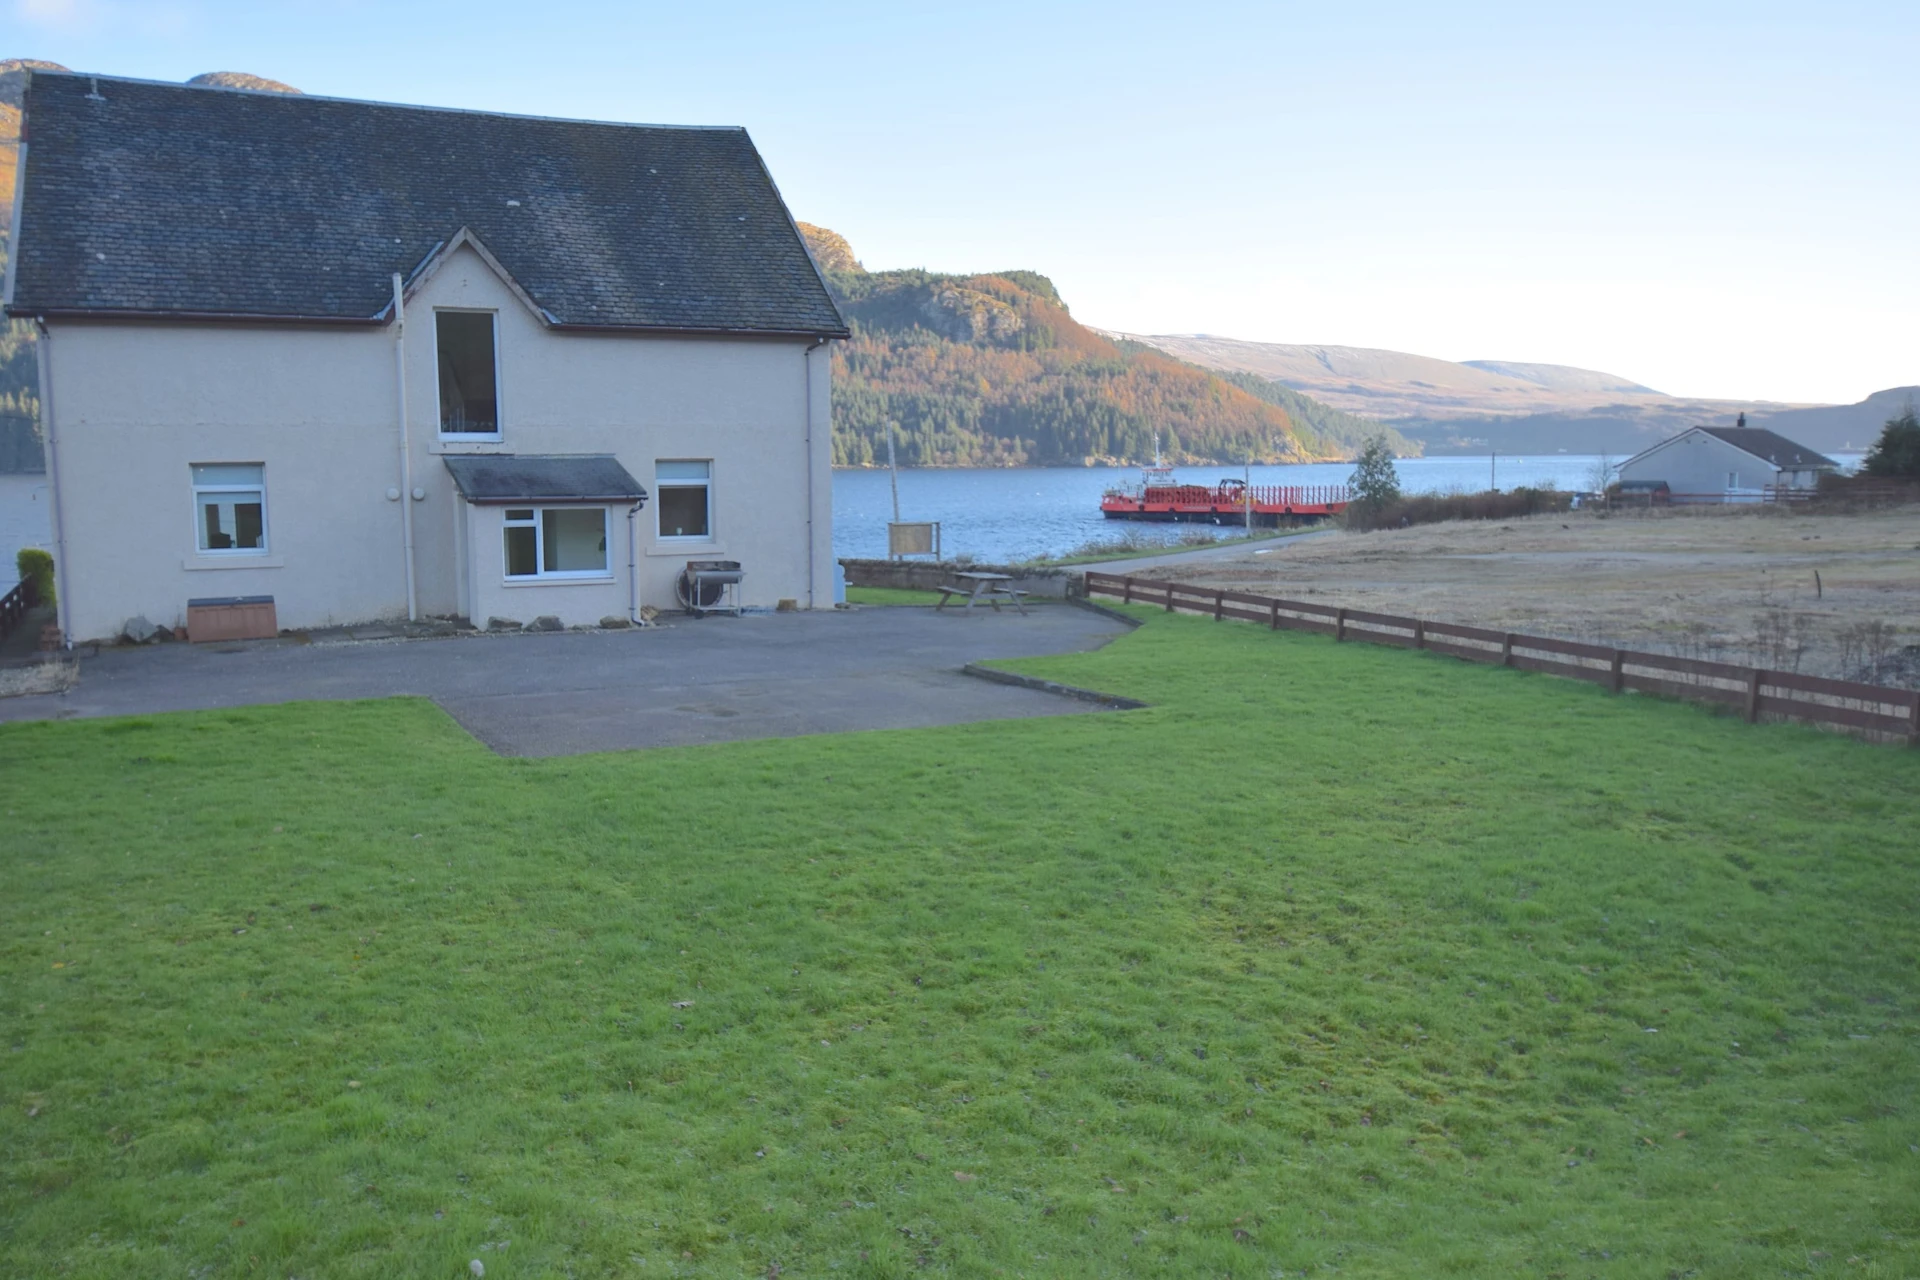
(1336, 957)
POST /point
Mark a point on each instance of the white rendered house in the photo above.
(378, 361)
(1729, 464)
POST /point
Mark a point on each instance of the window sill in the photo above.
(194, 563)
(601, 581)
(676, 548)
(467, 444)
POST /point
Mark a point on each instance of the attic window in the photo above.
(469, 379)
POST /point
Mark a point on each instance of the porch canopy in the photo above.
(497, 479)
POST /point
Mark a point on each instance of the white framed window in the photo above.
(468, 349)
(230, 508)
(683, 497)
(555, 542)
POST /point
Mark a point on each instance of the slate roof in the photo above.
(1777, 449)
(493, 478)
(151, 199)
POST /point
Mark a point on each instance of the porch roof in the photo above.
(493, 479)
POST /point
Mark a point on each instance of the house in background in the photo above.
(380, 361)
(1728, 464)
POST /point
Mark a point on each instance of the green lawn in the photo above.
(1336, 959)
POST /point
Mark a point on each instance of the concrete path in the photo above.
(714, 680)
(1229, 550)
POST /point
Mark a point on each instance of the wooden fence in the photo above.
(15, 604)
(1877, 711)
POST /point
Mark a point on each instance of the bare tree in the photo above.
(1603, 473)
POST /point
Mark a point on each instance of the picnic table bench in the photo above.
(975, 587)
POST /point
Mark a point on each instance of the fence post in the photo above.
(1913, 722)
(1273, 618)
(1169, 587)
(1619, 670)
(1126, 595)
(1219, 604)
(1419, 633)
(1753, 696)
(1506, 649)
(1340, 625)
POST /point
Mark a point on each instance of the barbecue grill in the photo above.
(709, 586)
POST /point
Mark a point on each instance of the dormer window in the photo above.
(469, 373)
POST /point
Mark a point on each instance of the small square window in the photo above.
(230, 507)
(685, 499)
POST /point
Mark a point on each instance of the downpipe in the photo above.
(633, 568)
(806, 360)
(62, 580)
(406, 450)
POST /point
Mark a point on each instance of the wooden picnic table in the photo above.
(978, 586)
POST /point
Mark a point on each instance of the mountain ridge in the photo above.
(992, 369)
(1473, 406)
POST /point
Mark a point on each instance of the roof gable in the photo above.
(148, 199)
(444, 252)
(1768, 446)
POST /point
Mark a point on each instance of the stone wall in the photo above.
(925, 575)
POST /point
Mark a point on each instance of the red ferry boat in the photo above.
(1160, 497)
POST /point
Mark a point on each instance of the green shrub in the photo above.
(1897, 453)
(37, 566)
(1432, 508)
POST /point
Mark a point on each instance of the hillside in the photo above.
(13, 82)
(1841, 427)
(1468, 406)
(1397, 385)
(992, 370)
(20, 448)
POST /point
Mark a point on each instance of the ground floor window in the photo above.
(556, 542)
(230, 507)
(685, 498)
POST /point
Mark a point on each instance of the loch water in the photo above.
(1009, 514)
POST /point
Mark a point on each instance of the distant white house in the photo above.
(376, 361)
(1727, 464)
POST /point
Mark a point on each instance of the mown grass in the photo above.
(1335, 959)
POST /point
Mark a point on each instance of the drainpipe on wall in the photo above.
(633, 568)
(62, 580)
(806, 358)
(406, 450)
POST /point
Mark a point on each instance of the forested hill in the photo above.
(991, 370)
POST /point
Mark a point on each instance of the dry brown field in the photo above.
(1825, 594)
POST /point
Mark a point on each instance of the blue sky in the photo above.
(1713, 199)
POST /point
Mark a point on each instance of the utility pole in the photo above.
(894, 469)
(1493, 472)
(1246, 494)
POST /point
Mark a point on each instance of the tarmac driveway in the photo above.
(712, 680)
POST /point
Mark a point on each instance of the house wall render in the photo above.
(138, 403)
